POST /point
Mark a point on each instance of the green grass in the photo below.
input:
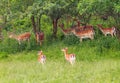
(91, 65)
(59, 71)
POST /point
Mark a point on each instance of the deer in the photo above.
(65, 31)
(39, 37)
(106, 31)
(84, 34)
(78, 24)
(85, 27)
(88, 27)
(22, 37)
(41, 57)
(69, 57)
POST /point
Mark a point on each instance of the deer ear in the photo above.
(41, 51)
(66, 48)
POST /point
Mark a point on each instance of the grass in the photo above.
(55, 71)
(94, 64)
(97, 61)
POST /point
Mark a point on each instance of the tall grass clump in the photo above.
(71, 39)
(106, 44)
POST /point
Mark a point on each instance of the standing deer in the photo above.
(22, 37)
(106, 31)
(86, 27)
(78, 24)
(65, 31)
(69, 57)
(41, 57)
(40, 37)
(84, 34)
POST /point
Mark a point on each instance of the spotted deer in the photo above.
(41, 57)
(65, 31)
(85, 27)
(22, 37)
(69, 57)
(39, 37)
(84, 34)
(107, 31)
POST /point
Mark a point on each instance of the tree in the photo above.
(13, 9)
(35, 12)
(56, 9)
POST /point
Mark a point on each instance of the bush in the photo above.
(104, 44)
(71, 39)
(3, 55)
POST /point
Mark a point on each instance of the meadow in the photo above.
(97, 61)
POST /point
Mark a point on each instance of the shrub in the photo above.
(71, 39)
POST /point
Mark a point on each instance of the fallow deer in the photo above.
(88, 27)
(39, 37)
(107, 31)
(65, 31)
(85, 27)
(84, 34)
(22, 37)
(41, 57)
(69, 57)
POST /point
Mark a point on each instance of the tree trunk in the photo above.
(33, 23)
(55, 21)
(38, 24)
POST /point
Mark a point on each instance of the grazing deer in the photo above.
(84, 34)
(21, 37)
(65, 31)
(69, 57)
(40, 37)
(106, 31)
(41, 57)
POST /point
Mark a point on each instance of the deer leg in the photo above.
(28, 40)
(112, 35)
(92, 37)
(105, 34)
(71, 62)
(80, 39)
(19, 42)
(40, 43)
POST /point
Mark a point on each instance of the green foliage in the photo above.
(106, 43)
(22, 25)
(71, 40)
(96, 60)
(3, 55)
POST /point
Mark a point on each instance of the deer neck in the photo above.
(78, 23)
(15, 37)
(66, 53)
(100, 27)
(73, 31)
(62, 28)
